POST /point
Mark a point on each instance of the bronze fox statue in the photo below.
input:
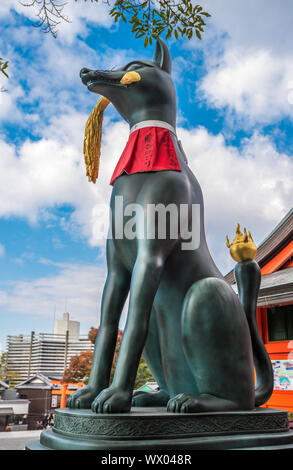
(197, 336)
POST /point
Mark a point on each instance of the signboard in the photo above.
(283, 374)
(54, 401)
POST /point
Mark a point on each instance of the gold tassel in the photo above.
(93, 131)
(92, 139)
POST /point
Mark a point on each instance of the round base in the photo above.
(150, 429)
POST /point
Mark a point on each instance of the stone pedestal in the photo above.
(155, 429)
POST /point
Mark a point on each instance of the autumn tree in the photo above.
(143, 373)
(79, 368)
(92, 337)
(80, 365)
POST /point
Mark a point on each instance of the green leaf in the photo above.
(168, 35)
(198, 33)
(3, 66)
(146, 41)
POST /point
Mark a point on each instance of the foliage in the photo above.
(92, 337)
(3, 66)
(79, 368)
(11, 378)
(80, 365)
(143, 374)
(148, 18)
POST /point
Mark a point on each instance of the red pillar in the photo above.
(63, 396)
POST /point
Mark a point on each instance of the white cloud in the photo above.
(255, 86)
(80, 14)
(79, 286)
(44, 83)
(251, 185)
(248, 24)
(248, 60)
(7, 5)
(41, 175)
(8, 102)
(255, 180)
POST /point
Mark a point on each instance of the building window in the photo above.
(280, 323)
(3, 421)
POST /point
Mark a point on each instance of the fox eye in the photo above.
(133, 67)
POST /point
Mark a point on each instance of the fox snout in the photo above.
(84, 75)
(100, 77)
(84, 71)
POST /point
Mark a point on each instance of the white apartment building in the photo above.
(46, 353)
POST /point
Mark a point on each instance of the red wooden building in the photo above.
(275, 308)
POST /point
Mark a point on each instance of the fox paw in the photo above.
(82, 398)
(112, 400)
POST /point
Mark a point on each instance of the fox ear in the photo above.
(162, 56)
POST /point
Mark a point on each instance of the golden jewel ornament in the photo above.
(242, 247)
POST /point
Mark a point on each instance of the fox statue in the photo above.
(199, 338)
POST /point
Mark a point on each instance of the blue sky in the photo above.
(235, 119)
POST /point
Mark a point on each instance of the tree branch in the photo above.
(49, 13)
(148, 18)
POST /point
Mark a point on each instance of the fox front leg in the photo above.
(114, 295)
(144, 284)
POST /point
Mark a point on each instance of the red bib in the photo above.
(147, 149)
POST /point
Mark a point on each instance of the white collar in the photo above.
(152, 123)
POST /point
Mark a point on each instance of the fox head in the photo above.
(151, 96)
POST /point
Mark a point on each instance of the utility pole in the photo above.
(30, 354)
(66, 349)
